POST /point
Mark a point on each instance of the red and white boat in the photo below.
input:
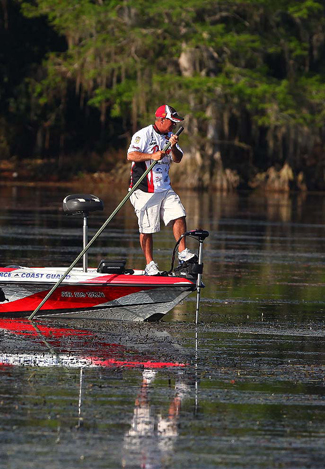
(107, 292)
(134, 297)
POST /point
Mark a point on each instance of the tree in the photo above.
(249, 75)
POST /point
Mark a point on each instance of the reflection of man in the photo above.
(150, 440)
(155, 199)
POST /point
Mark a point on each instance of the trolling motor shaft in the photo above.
(201, 238)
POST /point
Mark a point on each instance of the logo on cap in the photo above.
(168, 112)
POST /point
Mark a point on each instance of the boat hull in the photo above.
(90, 295)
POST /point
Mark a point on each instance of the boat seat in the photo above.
(82, 204)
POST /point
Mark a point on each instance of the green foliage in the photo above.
(123, 59)
(305, 9)
(120, 96)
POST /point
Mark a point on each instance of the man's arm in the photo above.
(177, 154)
(138, 156)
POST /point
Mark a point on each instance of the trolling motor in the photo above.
(193, 268)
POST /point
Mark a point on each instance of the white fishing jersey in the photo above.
(147, 140)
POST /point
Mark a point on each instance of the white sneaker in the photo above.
(185, 255)
(149, 375)
(151, 269)
(181, 390)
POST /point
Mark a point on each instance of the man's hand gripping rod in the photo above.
(99, 232)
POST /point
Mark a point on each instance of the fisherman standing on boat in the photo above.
(155, 199)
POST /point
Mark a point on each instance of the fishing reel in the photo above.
(192, 268)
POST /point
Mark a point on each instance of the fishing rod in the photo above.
(99, 232)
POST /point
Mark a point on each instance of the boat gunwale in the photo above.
(187, 283)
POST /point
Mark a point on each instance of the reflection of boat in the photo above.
(110, 291)
(24, 343)
(27, 344)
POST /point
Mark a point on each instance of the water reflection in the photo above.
(256, 393)
(109, 403)
(151, 439)
(151, 435)
(27, 343)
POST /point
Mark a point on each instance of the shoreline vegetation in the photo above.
(272, 180)
(79, 77)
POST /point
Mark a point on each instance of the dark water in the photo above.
(243, 389)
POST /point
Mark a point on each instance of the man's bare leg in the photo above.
(179, 228)
(146, 244)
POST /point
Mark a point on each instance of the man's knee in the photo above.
(179, 220)
(145, 235)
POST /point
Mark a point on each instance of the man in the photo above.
(154, 198)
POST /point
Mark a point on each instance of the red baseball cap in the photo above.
(168, 112)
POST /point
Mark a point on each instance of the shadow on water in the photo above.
(243, 389)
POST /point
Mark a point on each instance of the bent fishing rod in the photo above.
(99, 232)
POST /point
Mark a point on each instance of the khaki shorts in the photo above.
(151, 207)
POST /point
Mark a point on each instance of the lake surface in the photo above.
(242, 389)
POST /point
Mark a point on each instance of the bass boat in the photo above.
(110, 291)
